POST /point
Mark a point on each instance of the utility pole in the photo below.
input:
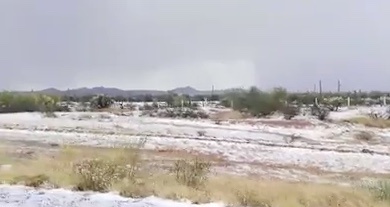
(338, 86)
(212, 92)
(315, 88)
(320, 88)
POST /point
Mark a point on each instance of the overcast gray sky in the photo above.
(141, 44)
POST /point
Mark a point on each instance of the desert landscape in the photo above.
(194, 103)
(224, 159)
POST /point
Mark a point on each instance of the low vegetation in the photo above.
(253, 102)
(101, 102)
(261, 103)
(370, 122)
(380, 189)
(186, 113)
(364, 136)
(290, 112)
(125, 170)
(322, 113)
(11, 102)
(192, 174)
(257, 102)
(14, 102)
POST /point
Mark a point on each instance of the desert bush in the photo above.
(301, 99)
(364, 136)
(178, 113)
(155, 105)
(104, 116)
(188, 113)
(49, 114)
(257, 102)
(101, 174)
(380, 189)
(83, 107)
(131, 158)
(226, 103)
(370, 122)
(47, 103)
(321, 113)
(333, 104)
(31, 181)
(373, 115)
(97, 174)
(147, 107)
(101, 101)
(191, 173)
(131, 106)
(202, 115)
(250, 198)
(290, 112)
(137, 190)
(13, 102)
(201, 133)
(194, 105)
(63, 107)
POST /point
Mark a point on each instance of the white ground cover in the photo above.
(328, 147)
(245, 147)
(20, 196)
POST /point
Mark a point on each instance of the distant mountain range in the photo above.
(125, 93)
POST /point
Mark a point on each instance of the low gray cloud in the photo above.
(165, 44)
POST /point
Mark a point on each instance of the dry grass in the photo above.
(244, 191)
(227, 115)
(370, 122)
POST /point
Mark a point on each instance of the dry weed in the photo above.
(137, 190)
(250, 198)
(227, 115)
(370, 122)
(380, 189)
(97, 174)
(201, 133)
(191, 173)
(187, 182)
(31, 181)
(49, 114)
(364, 136)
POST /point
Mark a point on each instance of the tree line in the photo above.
(254, 100)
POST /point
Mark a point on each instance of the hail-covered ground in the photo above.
(20, 196)
(302, 149)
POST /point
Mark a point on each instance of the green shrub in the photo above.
(101, 102)
(14, 102)
(257, 102)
